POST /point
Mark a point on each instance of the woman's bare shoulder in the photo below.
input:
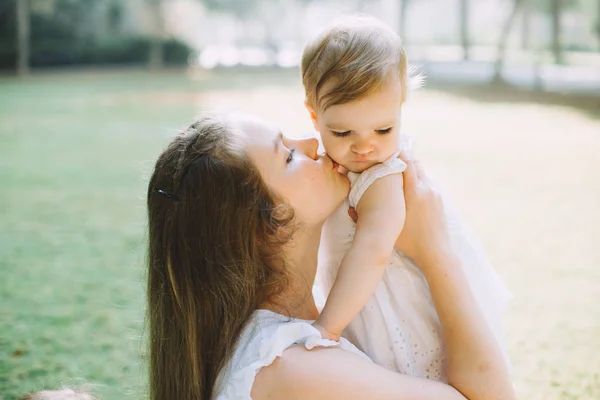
(334, 373)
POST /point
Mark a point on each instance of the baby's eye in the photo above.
(340, 134)
(384, 131)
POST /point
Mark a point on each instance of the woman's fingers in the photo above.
(419, 171)
(406, 147)
(410, 175)
(421, 175)
(424, 232)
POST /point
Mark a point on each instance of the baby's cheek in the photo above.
(334, 150)
(388, 149)
(340, 156)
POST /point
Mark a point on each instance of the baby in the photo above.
(355, 76)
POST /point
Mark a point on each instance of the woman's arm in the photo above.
(382, 213)
(474, 361)
(336, 374)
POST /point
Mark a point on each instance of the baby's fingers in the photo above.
(352, 213)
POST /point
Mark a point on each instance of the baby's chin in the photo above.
(357, 168)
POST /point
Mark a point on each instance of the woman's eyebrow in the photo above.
(277, 142)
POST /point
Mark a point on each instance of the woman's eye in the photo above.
(384, 131)
(340, 134)
(291, 156)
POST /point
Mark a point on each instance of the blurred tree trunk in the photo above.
(464, 28)
(598, 25)
(526, 27)
(403, 12)
(501, 53)
(22, 37)
(155, 58)
(556, 31)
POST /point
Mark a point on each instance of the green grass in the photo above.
(75, 153)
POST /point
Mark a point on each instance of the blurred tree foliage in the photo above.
(243, 8)
(547, 6)
(62, 31)
(63, 36)
(240, 8)
(267, 12)
(8, 31)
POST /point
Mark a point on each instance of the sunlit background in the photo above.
(92, 90)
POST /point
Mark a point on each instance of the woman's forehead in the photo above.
(261, 139)
(257, 131)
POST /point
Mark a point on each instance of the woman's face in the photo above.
(308, 182)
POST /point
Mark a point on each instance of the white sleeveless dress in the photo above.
(265, 338)
(399, 328)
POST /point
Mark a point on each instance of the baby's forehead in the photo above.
(374, 111)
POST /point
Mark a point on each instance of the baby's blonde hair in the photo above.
(353, 57)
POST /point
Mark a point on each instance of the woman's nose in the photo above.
(308, 146)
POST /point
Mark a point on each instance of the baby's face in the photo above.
(364, 132)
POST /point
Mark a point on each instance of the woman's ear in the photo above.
(313, 115)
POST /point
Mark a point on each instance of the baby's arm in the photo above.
(382, 212)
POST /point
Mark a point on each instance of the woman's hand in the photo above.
(425, 235)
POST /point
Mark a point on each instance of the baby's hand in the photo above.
(325, 333)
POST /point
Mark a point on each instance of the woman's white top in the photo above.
(265, 338)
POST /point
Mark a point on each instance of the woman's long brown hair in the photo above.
(213, 241)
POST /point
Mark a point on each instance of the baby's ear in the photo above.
(313, 115)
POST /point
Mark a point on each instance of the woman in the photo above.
(234, 235)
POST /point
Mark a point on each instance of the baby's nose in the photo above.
(362, 147)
